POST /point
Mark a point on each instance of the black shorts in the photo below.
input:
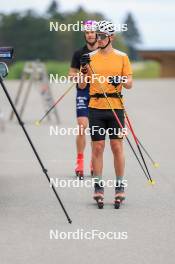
(82, 102)
(102, 122)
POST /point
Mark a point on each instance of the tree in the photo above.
(131, 37)
(28, 32)
(53, 8)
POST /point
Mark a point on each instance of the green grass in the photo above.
(60, 68)
(15, 70)
(142, 70)
(147, 70)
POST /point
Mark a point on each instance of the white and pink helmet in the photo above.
(89, 25)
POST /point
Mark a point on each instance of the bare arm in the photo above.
(128, 84)
(84, 77)
(73, 72)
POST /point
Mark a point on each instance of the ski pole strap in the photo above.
(101, 95)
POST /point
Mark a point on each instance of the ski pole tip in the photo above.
(151, 182)
(156, 165)
(70, 221)
(37, 123)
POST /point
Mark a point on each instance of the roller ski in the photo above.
(118, 201)
(79, 170)
(79, 174)
(99, 195)
(119, 196)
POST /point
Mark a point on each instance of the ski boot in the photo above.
(79, 170)
(99, 195)
(119, 196)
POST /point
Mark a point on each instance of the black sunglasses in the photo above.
(101, 36)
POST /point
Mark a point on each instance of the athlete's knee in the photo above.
(117, 146)
(82, 124)
(98, 147)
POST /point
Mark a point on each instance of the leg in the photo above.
(118, 154)
(116, 142)
(96, 121)
(82, 119)
(119, 164)
(91, 166)
(81, 143)
(81, 138)
(97, 163)
(97, 156)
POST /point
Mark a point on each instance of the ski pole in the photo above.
(128, 123)
(155, 164)
(38, 122)
(29, 139)
(148, 176)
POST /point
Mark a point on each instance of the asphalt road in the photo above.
(29, 209)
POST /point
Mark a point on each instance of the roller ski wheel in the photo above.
(80, 174)
(118, 201)
(98, 197)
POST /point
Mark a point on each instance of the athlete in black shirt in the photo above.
(82, 96)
